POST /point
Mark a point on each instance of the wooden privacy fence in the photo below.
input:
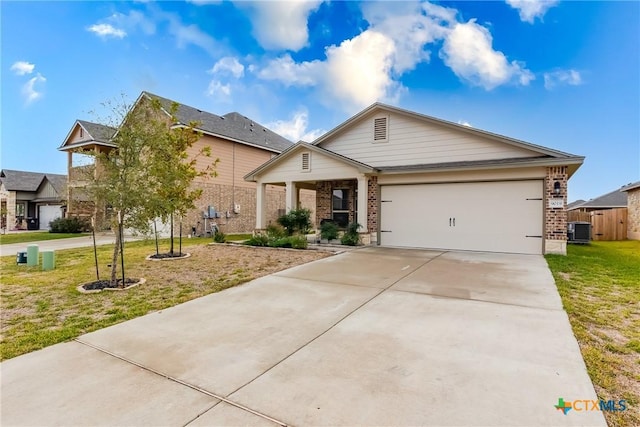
(607, 224)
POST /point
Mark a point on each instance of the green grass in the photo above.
(600, 289)
(238, 237)
(6, 239)
(41, 308)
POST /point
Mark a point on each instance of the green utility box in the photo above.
(48, 260)
(32, 255)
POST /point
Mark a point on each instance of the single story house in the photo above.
(30, 200)
(633, 210)
(412, 180)
(240, 143)
(613, 200)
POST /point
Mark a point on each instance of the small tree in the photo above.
(147, 174)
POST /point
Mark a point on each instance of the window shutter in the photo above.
(380, 129)
(306, 162)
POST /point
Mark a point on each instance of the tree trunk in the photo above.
(171, 234)
(114, 258)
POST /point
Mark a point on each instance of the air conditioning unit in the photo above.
(579, 232)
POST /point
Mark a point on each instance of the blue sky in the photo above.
(560, 74)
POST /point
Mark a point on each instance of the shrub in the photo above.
(258, 240)
(276, 231)
(351, 236)
(329, 230)
(219, 237)
(298, 242)
(283, 242)
(69, 225)
(296, 220)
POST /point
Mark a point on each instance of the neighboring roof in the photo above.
(429, 119)
(14, 180)
(632, 186)
(95, 134)
(233, 126)
(575, 204)
(614, 199)
(251, 176)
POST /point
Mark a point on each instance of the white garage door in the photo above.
(46, 214)
(505, 216)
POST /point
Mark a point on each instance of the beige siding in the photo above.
(414, 142)
(236, 160)
(463, 176)
(48, 192)
(75, 135)
(322, 168)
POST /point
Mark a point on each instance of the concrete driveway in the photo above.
(369, 337)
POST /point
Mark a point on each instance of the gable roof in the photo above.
(95, 134)
(14, 180)
(461, 128)
(232, 126)
(301, 145)
(614, 199)
(575, 204)
(631, 186)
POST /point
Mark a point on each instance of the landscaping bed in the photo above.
(41, 308)
(600, 289)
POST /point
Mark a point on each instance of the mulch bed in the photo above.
(106, 284)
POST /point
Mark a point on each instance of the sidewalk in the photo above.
(73, 242)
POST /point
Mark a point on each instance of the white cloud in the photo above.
(291, 73)
(132, 21)
(217, 89)
(464, 123)
(295, 129)
(228, 65)
(562, 77)
(529, 10)
(468, 51)
(190, 34)
(29, 90)
(106, 30)
(22, 67)
(280, 24)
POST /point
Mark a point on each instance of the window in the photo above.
(20, 208)
(380, 129)
(306, 162)
(340, 207)
(81, 132)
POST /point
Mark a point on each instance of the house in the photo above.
(412, 180)
(633, 210)
(240, 143)
(30, 200)
(612, 200)
(574, 204)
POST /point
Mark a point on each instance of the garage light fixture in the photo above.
(556, 188)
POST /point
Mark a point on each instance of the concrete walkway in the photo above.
(59, 244)
(369, 337)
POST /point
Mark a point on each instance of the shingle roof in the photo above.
(631, 186)
(97, 131)
(30, 181)
(232, 125)
(614, 199)
(575, 204)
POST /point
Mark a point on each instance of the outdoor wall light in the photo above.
(556, 188)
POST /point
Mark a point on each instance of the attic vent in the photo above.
(380, 129)
(306, 162)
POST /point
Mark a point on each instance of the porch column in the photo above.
(261, 217)
(362, 203)
(291, 196)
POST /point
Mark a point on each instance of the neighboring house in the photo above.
(30, 200)
(633, 210)
(612, 200)
(411, 180)
(240, 143)
(574, 204)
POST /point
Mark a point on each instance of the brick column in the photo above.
(323, 201)
(372, 207)
(555, 230)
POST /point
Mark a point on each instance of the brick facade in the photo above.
(555, 230)
(324, 195)
(633, 214)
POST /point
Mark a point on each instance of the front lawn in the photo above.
(6, 239)
(600, 289)
(41, 308)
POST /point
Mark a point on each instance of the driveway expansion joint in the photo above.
(184, 383)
